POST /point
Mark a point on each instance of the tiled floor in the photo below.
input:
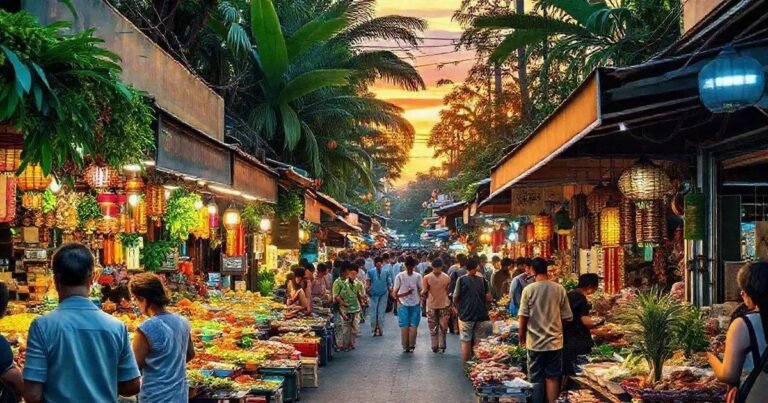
(379, 372)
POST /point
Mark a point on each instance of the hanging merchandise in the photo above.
(600, 195)
(543, 227)
(612, 270)
(139, 217)
(155, 201)
(694, 220)
(578, 206)
(88, 212)
(651, 223)
(32, 182)
(102, 177)
(644, 181)
(66, 212)
(731, 81)
(583, 231)
(562, 221)
(530, 232)
(627, 219)
(497, 239)
(610, 230)
(10, 160)
(108, 202)
(521, 233)
(231, 218)
(563, 242)
(7, 198)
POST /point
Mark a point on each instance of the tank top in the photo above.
(165, 372)
(757, 324)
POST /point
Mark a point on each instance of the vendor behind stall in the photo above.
(576, 336)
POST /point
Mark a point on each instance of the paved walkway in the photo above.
(378, 371)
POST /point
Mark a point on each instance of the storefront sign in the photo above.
(253, 180)
(184, 151)
(694, 226)
(232, 265)
(285, 234)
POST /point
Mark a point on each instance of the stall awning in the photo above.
(572, 120)
(253, 178)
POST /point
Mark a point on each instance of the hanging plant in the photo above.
(307, 226)
(181, 216)
(154, 254)
(253, 213)
(49, 201)
(289, 204)
(130, 240)
(88, 210)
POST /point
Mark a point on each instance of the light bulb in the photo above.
(133, 200)
(265, 224)
(212, 209)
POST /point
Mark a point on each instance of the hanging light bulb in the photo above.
(133, 199)
(265, 224)
(231, 218)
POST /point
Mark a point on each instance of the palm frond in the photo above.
(389, 67)
(387, 28)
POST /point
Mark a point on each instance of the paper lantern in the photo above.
(650, 223)
(231, 218)
(543, 227)
(101, 177)
(644, 181)
(10, 159)
(265, 224)
(731, 82)
(599, 197)
(610, 229)
(530, 232)
(32, 179)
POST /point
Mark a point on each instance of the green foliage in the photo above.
(266, 281)
(154, 254)
(49, 201)
(88, 209)
(130, 240)
(570, 284)
(253, 213)
(290, 203)
(180, 213)
(692, 332)
(653, 322)
(63, 92)
(518, 355)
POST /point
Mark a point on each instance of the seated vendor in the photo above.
(296, 293)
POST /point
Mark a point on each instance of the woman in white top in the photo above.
(745, 341)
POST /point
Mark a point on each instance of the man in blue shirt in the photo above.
(379, 286)
(77, 353)
(519, 283)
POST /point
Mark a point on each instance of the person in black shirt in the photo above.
(578, 339)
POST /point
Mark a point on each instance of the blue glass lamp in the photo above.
(731, 82)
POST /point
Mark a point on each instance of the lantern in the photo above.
(10, 159)
(32, 179)
(731, 82)
(610, 227)
(134, 185)
(644, 181)
(542, 227)
(101, 177)
(231, 218)
(599, 196)
(265, 224)
(627, 218)
(108, 203)
(485, 238)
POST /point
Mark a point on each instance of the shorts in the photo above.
(544, 365)
(408, 316)
(569, 362)
(474, 331)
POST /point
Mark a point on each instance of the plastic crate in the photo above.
(291, 381)
(307, 349)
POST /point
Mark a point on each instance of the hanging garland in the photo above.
(181, 216)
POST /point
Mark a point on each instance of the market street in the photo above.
(378, 371)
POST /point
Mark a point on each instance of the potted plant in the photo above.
(653, 322)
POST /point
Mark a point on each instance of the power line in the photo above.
(454, 62)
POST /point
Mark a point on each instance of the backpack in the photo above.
(755, 388)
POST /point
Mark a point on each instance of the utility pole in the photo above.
(522, 75)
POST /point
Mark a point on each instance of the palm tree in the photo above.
(613, 32)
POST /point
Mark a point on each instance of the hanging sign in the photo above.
(232, 265)
(694, 226)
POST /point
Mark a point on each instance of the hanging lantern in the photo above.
(32, 179)
(134, 185)
(530, 232)
(109, 204)
(231, 218)
(10, 159)
(100, 177)
(265, 224)
(599, 197)
(644, 181)
(610, 230)
(731, 82)
(485, 238)
(562, 221)
(155, 200)
(578, 206)
(543, 227)
(203, 228)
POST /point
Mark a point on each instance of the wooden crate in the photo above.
(309, 373)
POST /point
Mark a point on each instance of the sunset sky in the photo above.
(422, 107)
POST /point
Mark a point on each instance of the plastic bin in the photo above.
(291, 379)
(307, 349)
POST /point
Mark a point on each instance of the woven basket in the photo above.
(712, 393)
(627, 220)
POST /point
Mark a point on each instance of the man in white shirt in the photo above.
(407, 290)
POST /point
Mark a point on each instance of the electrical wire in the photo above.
(454, 62)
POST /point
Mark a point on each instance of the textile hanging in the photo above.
(7, 198)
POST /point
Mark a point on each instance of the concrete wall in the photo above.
(695, 10)
(145, 65)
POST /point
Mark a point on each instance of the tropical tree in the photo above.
(584, 35)
(62, 91)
